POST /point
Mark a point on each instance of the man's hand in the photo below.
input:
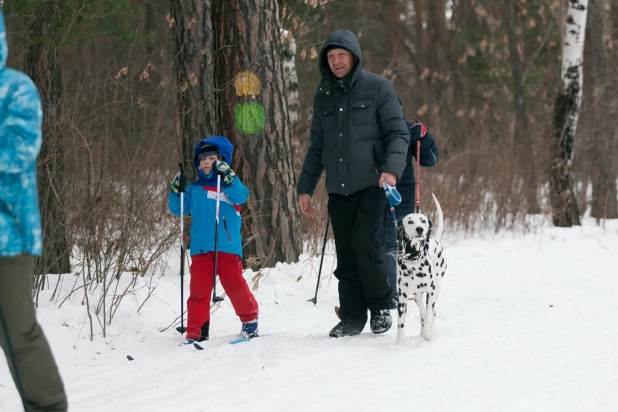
(390, 178)
(304, 202)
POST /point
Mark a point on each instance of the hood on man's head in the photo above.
(213, 145)
(4, 48)
(342, 39)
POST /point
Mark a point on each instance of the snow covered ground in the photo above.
(525, 323)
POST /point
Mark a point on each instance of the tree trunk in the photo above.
(393, 14)
(290, 77)
(523, 144)
(194, 39)
(253, 113)
(419, 32)
(42, 64)
(600, 137)
(565, 212)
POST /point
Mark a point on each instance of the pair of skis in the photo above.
(233, 342)
(197, 346)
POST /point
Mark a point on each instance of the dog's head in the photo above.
(413, 233)
(417, 226)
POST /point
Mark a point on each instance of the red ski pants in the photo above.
(229, 269)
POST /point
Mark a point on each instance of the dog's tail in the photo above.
(440, 219)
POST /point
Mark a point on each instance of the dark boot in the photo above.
(381, 321)
(204, 333)
(347, 328)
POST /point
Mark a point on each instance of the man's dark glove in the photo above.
(179, 183)
(224, 170)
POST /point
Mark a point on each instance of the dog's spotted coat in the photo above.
(420, 269)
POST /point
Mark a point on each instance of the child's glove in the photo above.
(226, 173)
(417, 131)
(179, 183)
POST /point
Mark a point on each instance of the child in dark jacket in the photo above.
(212, 157)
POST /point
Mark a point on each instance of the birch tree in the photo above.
(290, 77)
(564, 208)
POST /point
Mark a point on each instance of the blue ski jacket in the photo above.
(20, 141)
(200, 198)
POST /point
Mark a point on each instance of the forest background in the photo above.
(129, 86)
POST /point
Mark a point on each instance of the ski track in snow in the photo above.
(498, 343)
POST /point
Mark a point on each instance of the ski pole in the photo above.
(216, 298)
(181, 329)
(317, 286)
(418, 176)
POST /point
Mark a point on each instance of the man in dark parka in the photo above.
(360, 139)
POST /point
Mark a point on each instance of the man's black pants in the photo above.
(363, 284)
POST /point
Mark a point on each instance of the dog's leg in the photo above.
(427, 331)
(402, 309)
(418, 298)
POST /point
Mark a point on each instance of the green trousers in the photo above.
(28, 354)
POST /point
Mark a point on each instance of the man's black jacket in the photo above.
(358, 131)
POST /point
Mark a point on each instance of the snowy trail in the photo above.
(525, 323)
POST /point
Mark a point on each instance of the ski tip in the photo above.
(129, 357)
(198, 347)
(241, 340)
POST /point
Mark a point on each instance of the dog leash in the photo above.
(394, 198)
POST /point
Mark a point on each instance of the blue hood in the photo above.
(225, 147)
(4, 49)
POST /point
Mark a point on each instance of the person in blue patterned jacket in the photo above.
(211, 158)
(27, 351)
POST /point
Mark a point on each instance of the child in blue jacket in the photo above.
(212, 157)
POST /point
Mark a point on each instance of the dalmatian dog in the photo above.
(420, 268)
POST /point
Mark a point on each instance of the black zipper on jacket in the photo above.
(374, 156)
(229, 238)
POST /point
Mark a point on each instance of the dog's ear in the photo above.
(429, 230)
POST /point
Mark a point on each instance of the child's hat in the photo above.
(207, 150)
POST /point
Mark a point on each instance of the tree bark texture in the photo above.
(42, 64)
(194, 39)
(565, 212)
(419, 31)
(522, 145)
(601, 141)
(253, 113)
